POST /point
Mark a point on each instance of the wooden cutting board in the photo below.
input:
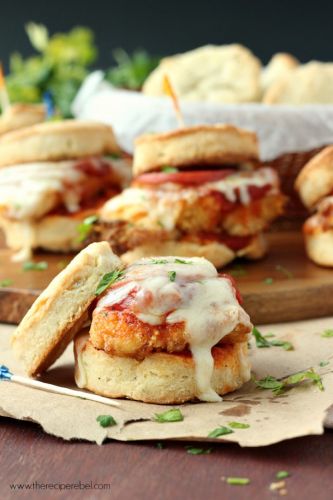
(285, 286)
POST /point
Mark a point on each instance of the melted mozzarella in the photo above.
(161, 206)
(205, 302)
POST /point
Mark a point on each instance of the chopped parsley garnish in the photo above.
(106, 420)
(172, 275)
(238, 481)
(160, 223)
(198, 451)
(107, 280)
(181, 261)
(85, 228)
(6, 282)
(238, 425)
(169, 170)
(159, 261)
(280, 386)
(327, 333)
(237, 271)
(114, 156)
(220, 431)
(173, 415)
(268, 281)
(282, 474)
(324, 363)
(160, 445)
(262, 341)
(35, 266)
(284, 271)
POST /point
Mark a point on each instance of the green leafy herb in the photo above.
(279, 386)
(262, 341)
(238, 425)
(114, 156)
(159, 261)
(160, 445)
(282, 474)
(131, 70)
(6, 282)
(327, 333)
(268, 281)
(324, 363)
(198, 451)
(106, 420)
(35, 266)
(237, 271)
(238, 481)
(107, 280)
(160, 223)
(172, 275)
(85, 228)
(173, 415)
(169, 170)
(284, 271)
(220, 431)
(182, 261)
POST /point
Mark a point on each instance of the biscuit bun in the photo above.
(51, 141)
(200, 145)
(21, 115)
(319, 247)
(310, 83)
(56, 233)
(61, 309)
(160, 378)
(226, 74)
(315, 181)
(217, 253)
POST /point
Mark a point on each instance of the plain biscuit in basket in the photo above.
(278, 67)
(60, 311)
(226, 73)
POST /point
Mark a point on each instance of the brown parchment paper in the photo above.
(299, 412)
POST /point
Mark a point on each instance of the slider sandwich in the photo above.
(197, 191)
(314, 185)
(52, 176)
(164, 330)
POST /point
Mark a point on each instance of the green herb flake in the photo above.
(288, 274)
(268, 281)
(262, 341)
(282, 474)
(182, 261)
(220, 431)
(173, 415)
(279, 386)
(35, 266)
(106, 420)
(172, 275)
(324, 363)
(237, 271)
(198, 451)
(159, 261)
(238, 481)
(114, 156)
(327, 333)
(160, 223)
(6, 282)
(108, 280)
(238, 425)
(85, 228)
(169, 170)
(160, 445)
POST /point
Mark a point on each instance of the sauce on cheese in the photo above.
(169, 290)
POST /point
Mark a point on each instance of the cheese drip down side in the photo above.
(169, 290)
(161, 204)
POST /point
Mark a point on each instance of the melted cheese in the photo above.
(205, 302)
(161, 206)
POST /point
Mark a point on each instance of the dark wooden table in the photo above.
(142, 471)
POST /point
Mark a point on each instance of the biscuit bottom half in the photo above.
(159, 378)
